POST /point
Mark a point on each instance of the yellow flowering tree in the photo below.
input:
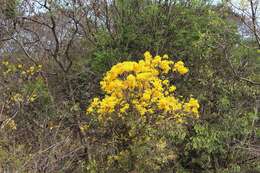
(141, 119)
(143, 88)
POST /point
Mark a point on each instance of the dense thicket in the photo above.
(54, 53)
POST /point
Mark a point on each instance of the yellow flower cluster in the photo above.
(12, 69)
(179, 66)
(30, 71)
(10, 124)
(9, 67)
(142, 87)
(19, 98)
(192, 106)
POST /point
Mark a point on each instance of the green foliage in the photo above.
(135, 145)
(103, 59)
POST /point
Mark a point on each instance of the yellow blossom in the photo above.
(6, 63)
(141, 109)
(20, 66)
(182, 70)
(32, 68)
(139, 87)
(131, 82)
(172, 88)
(157, 59)
(108, 104)
(11, 124)
(93, 105)
(124, 108)
(147, 94)
(83, 127)
(147, 56)
(32, 98)
(179, 67)
(166, 82)
(17, 98)
(165, 56)
(165, 66)
(192, 106)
